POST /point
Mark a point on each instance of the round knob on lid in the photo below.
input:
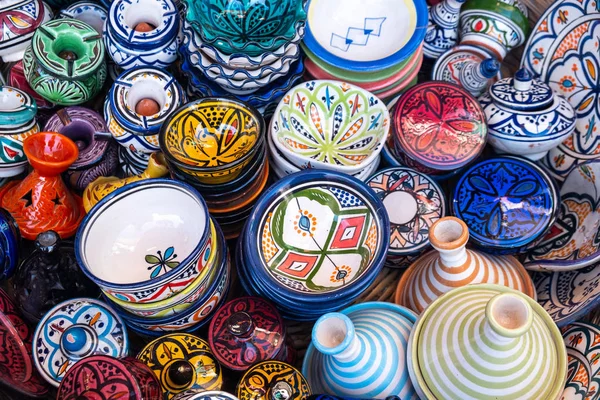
(523, 80)
(47, 241)
(489, 67)
(281, 391)
(240, 324)
(181, 373)
(77, 341)
(509, 315)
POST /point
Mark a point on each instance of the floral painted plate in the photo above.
(563, 52)
(573, 241)
(583, 375)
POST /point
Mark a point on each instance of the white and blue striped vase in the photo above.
(361, 352)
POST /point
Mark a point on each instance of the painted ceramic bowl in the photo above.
(212, 139)
(508, 203)
(130, 47)
(365, 39)
(250, 27)
(497, 27)
(488, 329)
(86, 11)
(573, 241)
(581, 339)
(158, 228)
(414, 202)
(330, 125)
(131, 125)
(525, 117)
(438, 127)
(21, 18)
(17, 122)
(73, 330)
(65, 62)
(273, 380)
(182, 362)
(103, 377)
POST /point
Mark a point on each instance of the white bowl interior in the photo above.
(148, 11)
(10, 99)
(142, 222)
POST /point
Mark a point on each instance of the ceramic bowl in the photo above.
(158, 228)
(247, 26)
(89, 12)
(130, 48)
(573, 241)
(581, 339)
(330, 125)
(32, 13)
(212, 139)
(132, 162)
(16, 78)
(365, 39)
(128, 127)
(508, 203)
(9, 244)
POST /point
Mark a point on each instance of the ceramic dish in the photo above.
(365, 39)
(161, 253)
(583, 379)
(330, 125)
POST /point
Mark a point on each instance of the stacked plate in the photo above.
(378, 48)
(313, 243)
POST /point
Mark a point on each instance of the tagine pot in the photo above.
(41, 201)
(20, 19)
(451, 265)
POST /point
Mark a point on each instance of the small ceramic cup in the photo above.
(20, 19)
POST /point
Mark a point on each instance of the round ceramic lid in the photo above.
(73, 330)
(16, 362)
(273, 380)
(507, 203)
(439, 125)
(476, 342)
(413, 202)
(181, 362)
(196, 394)
(582, 340)
(448, 66)
(522, 92)
(245, 331)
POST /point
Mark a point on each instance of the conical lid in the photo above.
(487, 341)
(522, 92)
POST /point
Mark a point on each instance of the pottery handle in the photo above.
(102, 135)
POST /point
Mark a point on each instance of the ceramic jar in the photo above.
(49, 276)
(17, 122)
(86, 11)
(273, 380)
(525, 117)
(73, 330)
(451, 265)
(495, 342)
(476, 77)
(497, 26)
(103, 377)
(132, 162)
(20, 20)
(131, 122)
(442, 28)
(41, 201)
(347, 345)
(130, 45)
(65, 62)
(97, 153)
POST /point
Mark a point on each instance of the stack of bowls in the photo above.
(328, 125)
(379, 47)
(314, 242)
(158, 258)
(217, 145)
(243, 48)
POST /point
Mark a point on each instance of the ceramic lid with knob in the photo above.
(522, 92)
(273, 380)
(197, 394)
(486, 341)
(245, 331)
(73, 330)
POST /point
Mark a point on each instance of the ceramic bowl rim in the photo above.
(89, 218)
(22, 114)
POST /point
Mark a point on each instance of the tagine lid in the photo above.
(73, 330)
(245, 331)
(522, 92)
(484, 349)
(196, 394)
(181, 362)
(273, 380)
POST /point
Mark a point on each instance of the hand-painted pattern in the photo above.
(583, 350)
(358, 36)
(264, 380)
(19, 21)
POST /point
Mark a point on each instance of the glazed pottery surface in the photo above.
(449, 65)
(62, 81)
(16, 78)
(182, 362)
(345, 357)
(442, 27)
(197, 394)
(439, 126)
(508, 203)
(86, 11)
(273, 380)
(583, 380)
(450, 265)
(574, 239)
(362, 38)
(477, 341)
(330, 125)
(132, 162)
(568, 295)
(74, 330)
(103, 377)
(20, 20)
(571, 73)
(9, 244)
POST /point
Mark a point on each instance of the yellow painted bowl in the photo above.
(212, 139)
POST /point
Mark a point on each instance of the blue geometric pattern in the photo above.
(358, 36)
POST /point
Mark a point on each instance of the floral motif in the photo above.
(161, 261)
(583, 379)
